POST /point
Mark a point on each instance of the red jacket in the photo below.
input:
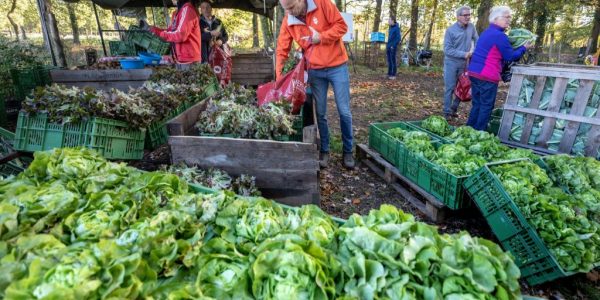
(184, 32)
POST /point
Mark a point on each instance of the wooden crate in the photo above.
(102, 79)
(252, 69)
(587, 76)
(285, 171)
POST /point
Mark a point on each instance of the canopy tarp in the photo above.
(255, 6)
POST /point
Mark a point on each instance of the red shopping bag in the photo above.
(291, 86)
(221, 63)
(462, 91)
(463, 87)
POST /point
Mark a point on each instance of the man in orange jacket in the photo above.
(317, 26)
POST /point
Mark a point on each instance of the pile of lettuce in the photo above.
(437, 125)
(74, 226)
(468, 151)
(139, 107)
(237, 114)
(581, 177)
(567, 224)
(520, 36)
(244, 185)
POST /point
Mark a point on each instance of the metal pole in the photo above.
(117, 25)
(42, 11)
(99, 29)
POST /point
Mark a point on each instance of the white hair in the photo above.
(498, 11)
(461, 9)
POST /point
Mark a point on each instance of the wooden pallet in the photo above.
(587, 77)
(252, 69)
(423, 201)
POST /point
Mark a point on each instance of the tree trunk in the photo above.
(394, 8)
(73, 19)
(377, 17)
(529, 15)
(540, 30)
(23, 33)
(12, 22)
(255, 31)
(267, 32)
(414, 20)
(595, 30)
(483, 13)
(54, 35)
(340, 5)
(427, 42)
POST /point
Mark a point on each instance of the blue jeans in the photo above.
(339, 78)
(484, 96)
(452, 70)
(391, 60)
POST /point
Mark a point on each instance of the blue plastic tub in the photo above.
(150, 58)
(131, 63)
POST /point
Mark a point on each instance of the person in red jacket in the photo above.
(183, 33)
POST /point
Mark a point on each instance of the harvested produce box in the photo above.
(284, 171)
(552, 108)
(549, 235)
(439, 168)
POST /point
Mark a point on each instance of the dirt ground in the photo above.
(414, 94)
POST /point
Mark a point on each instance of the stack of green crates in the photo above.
(125, 48)
(147, 41)
(26, 79)
(510, 226)
(435, 180)
(112, 139)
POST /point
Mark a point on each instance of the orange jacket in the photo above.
(325, 18)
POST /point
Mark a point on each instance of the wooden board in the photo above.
(285, 171)
(252, 69)
(587, 77)
(102, 79)
(423, 201)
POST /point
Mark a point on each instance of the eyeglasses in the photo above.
(466, 15)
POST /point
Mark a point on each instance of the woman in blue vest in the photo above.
(392, 46)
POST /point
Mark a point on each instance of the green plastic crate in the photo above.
(159, 47)
(511, 228)
(443, 185)
(298, 126)
(416, 125)
(157, 133)
(8, 169)
(26, 79)
(389, 147)
(494, 124)
(112, 139)
(126, 48)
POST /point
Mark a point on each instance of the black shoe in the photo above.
(323, 159)
(349, 161)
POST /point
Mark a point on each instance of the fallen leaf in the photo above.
(356, 201)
